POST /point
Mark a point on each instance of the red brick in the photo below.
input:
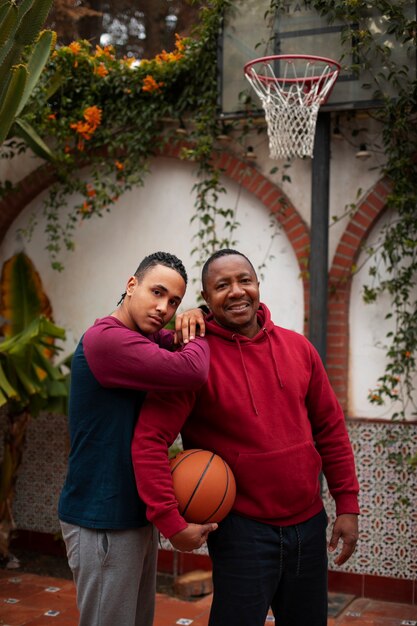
(269, 187)
(351, 240)
(362, 219)
(357, 229)
(256, 183)
(345, 250)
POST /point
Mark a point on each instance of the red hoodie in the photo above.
(268, 410)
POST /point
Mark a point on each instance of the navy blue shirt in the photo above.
(111, 370)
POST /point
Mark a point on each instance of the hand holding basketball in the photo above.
(204, 486)
(192, 537)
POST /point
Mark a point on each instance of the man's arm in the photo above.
(333, 445)
(332, 439)
(120, 357)
(161, 419)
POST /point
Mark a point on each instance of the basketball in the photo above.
(204, 486)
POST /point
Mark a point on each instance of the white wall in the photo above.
(368, 330)
(157, 216)
(154, 217)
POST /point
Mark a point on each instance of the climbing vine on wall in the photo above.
(113, 115)
(393, 263)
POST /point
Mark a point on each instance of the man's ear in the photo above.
(204, 294)
(131, 284)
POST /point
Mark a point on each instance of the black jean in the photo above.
(257, 566)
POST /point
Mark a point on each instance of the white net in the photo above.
(291, 101)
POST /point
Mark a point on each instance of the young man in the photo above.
(268, 409)
(111, 547)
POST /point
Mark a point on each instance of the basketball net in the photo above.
(292, 100)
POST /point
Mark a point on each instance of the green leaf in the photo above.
(32, 21)
(35, 143)
(23, 296)
(8, 21)
(5, 384)
(11, 99)
(37, 61)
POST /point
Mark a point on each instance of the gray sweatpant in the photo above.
(114, 573)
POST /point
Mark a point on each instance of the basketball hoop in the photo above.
(291, 88)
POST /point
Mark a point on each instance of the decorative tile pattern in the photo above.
(388, 541)
(388, 538)
(41, 474)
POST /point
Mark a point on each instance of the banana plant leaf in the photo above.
(27, 373)
(22, 295)
(31, 380)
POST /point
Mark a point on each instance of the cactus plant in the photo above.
(24, 51)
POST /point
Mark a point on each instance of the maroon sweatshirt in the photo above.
(268, 410)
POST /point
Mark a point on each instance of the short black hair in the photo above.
(161, 258)
(158, 258)
(218, 255)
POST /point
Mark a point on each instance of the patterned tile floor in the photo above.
(32, 600)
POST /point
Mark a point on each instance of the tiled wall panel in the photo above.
(388, 542)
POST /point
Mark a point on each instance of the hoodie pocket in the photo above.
(280, 484)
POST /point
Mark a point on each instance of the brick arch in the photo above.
(234, 168)
(340, 282)
(26, 190)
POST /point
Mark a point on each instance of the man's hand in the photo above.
(192, 537)
(346, 529)
(187, 324)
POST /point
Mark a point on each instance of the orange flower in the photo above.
(86, 208)
(91, 192)
(129, 60)
(101, 70)
(407, 354)
(84, 129)
(107, 51)
(75, 47)
(150, 84)
(179, 43)
(119, 165)
(168, 57)
(93, 116)
(52, 116)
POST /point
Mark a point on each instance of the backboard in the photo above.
(299, 29)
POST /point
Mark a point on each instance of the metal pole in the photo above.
(319, 235)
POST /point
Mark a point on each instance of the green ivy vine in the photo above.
(113, 115)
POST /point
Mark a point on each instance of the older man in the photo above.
(268, 409)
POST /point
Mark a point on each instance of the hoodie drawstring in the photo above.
(277, 374)
(246, 374)
(276, 370)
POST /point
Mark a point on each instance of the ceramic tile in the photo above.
(44, 601)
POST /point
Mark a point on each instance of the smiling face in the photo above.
(151, 303)
(231, 290)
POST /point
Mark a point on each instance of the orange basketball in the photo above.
(204, 486)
